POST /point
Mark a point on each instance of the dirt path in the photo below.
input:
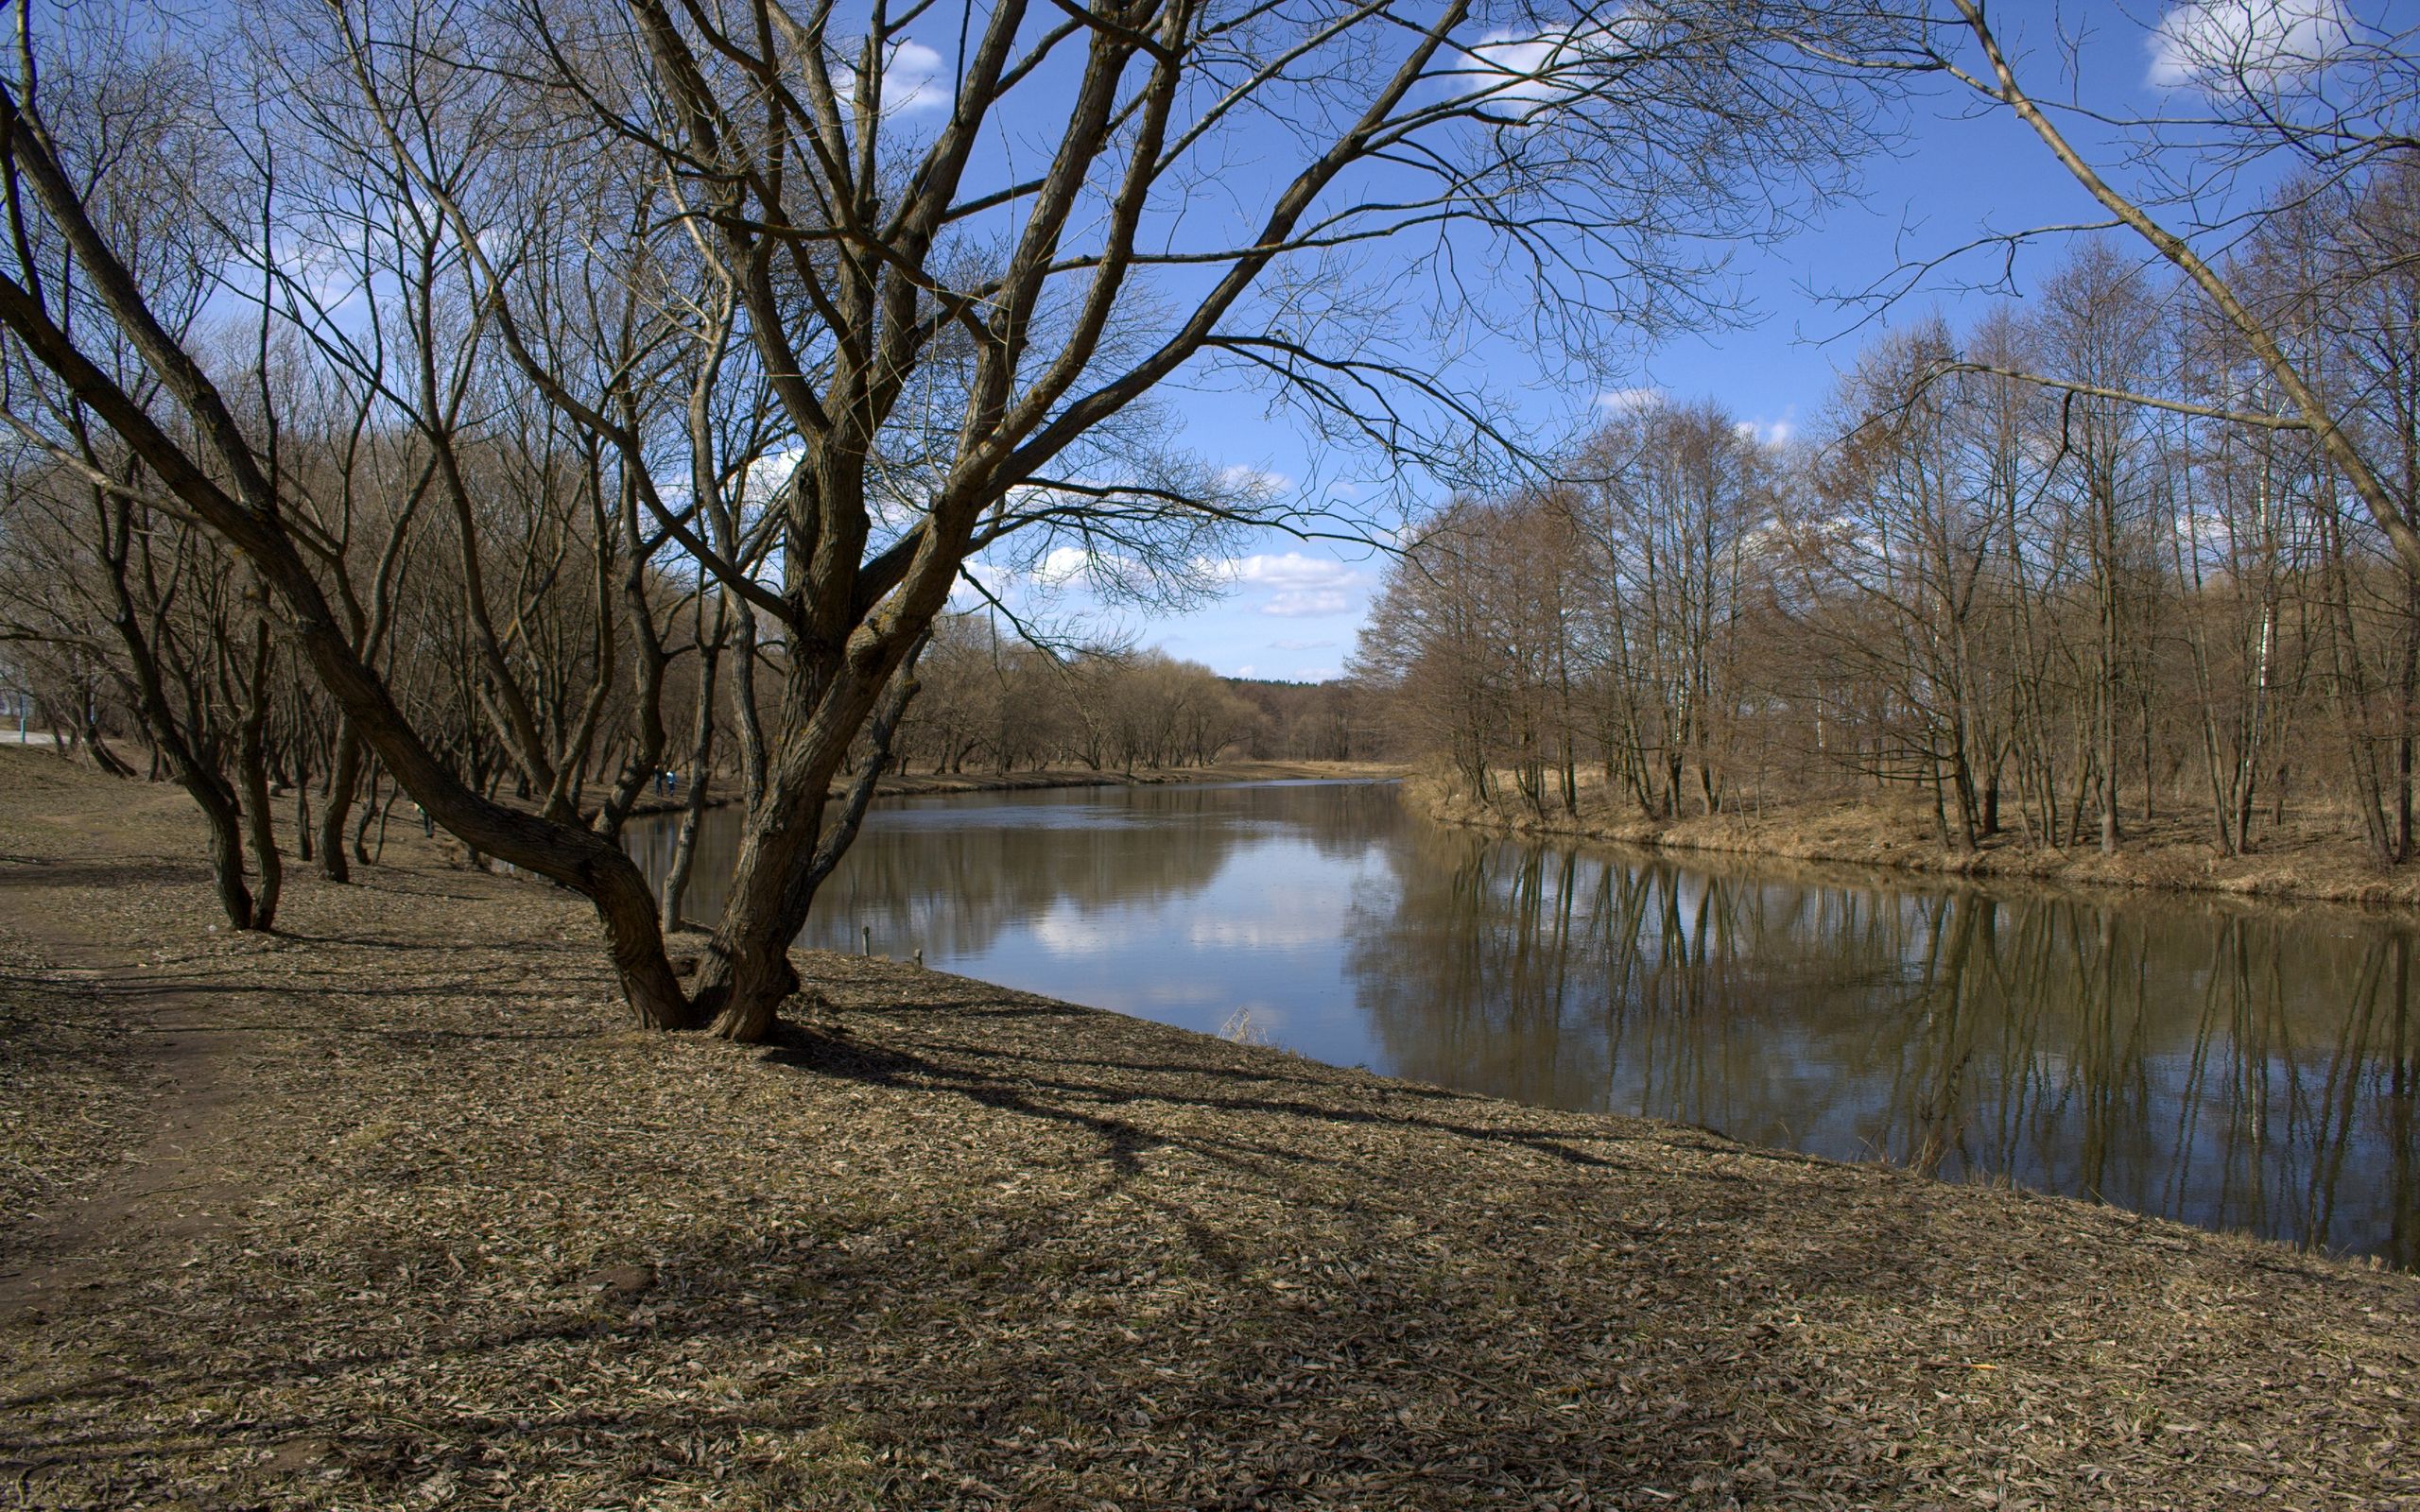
(161, 1173)
(128, 1054)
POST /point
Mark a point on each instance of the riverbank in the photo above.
(893, 785)
(389, 1210)
(2305, 859)
(920, 785)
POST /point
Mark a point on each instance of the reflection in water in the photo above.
(2238, 1069)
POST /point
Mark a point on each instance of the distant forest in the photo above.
(2054, 608)
(989, 704)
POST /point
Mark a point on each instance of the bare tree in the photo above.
(1673, 500)
(2341, 97)
(959, 329)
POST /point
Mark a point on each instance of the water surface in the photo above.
(2232, 1065)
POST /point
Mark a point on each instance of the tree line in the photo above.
(2059, 608)
(148, 642)
(1002, 704)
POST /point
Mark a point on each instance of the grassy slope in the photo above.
(468, 1242)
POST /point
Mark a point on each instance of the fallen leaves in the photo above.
(986, 1250)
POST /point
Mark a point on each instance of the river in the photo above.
(2234, 1065)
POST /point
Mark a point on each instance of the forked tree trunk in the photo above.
(787, 851)
(203, 784)
(747, 972)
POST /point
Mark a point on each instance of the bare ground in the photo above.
(2313, 854)
(414, 1223)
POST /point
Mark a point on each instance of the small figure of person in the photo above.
(427, 824)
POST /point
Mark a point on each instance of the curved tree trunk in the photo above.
(251, 768)
(245, 511)
(343, 778)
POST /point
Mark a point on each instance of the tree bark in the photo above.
(251, 768)
(344, 777)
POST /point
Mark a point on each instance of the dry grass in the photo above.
(2311, 857)
(471, 1244)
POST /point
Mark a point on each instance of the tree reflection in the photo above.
(2235, 1070)
(951, 875)
(2237, 1067)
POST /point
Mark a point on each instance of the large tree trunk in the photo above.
(788, 850)
(218, 814)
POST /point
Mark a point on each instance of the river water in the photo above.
(2236, 1067)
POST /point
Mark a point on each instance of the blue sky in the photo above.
(1294, 607)
(1289, 607)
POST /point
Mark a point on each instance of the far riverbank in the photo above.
(920, 785)
(2307, 859)
(897, 785)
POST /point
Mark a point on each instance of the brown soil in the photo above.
(473, 1245)
(2309, 856)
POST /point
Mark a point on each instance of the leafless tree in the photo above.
(955, 327)
(2337, 95)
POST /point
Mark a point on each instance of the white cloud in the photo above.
(1527, 73)
(1629, 401)
(1300, 645)
(1309, 603)
(767, 476)
(2254, 42)
(1244, 671)
(1769, 433)
(1063, 564)
(1284, 570)
(911, 82)
(1258, 482)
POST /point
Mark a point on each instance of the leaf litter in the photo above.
(959, 1246)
